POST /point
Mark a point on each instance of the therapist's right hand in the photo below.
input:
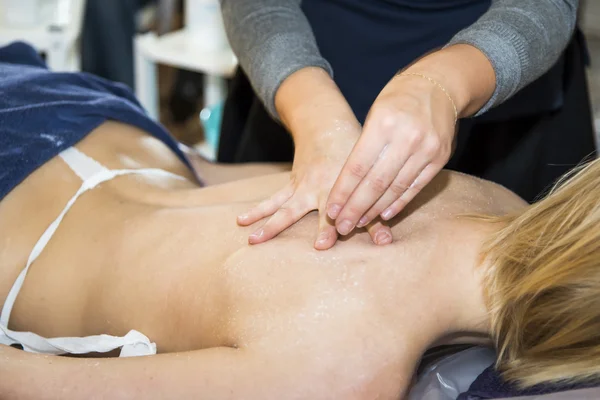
(324, 131)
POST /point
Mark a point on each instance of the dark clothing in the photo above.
(107, 39)
(43, 113)
(524, 144)
(371, 39)
(360, 39)
(530, 151)
(489, 385)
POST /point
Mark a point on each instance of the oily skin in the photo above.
(168, 259)
(364, 176)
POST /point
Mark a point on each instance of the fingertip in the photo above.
(345, 227)
(243, 219)
(383, 237)
(325, 244)
(388, 214)
(333, 210)
(364, 221)
(322, 246)
(257, 237)
(326, 238)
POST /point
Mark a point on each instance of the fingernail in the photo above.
(322, 238)
(382, 238)
(256, 236)
(362, 222)
(345, 227)
(387, 214)
(242, 217)
(333, 210)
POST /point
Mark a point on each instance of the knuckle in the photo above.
(285, 213)
(354, 211)
(446, 152)
(357, 170)
(432, 147)
(389, 121)
(414, 136)
(398, 188)
(378, 184)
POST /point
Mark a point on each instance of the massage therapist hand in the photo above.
(325, 131)
(408, 136)
(407, 139)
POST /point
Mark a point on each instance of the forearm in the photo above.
(272, 39)
(208, 374)
(215, 373)
(521, 39)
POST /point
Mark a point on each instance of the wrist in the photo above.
(465, 73)
(313, 109)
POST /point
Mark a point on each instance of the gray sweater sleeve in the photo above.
(522, 39)
(272, 39)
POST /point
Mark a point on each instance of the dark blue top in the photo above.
(368, 41)
(43, 113)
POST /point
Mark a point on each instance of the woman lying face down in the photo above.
(281, 320)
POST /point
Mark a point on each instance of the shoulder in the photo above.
(458, 193)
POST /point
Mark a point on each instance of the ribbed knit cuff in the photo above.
(271, 64)
(506, 50)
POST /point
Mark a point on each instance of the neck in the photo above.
(457, 313)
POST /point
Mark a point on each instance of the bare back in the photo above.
(167, 258)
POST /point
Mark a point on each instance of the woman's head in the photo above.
(543, 285)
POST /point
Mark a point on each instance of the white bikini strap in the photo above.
(92, 173)
(84, 166)
(132, 344)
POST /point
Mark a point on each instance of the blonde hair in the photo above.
(543, 285)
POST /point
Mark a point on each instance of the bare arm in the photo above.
(217, 373)
(214, 373)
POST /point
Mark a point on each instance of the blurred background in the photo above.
(590, 21)
(173, 53)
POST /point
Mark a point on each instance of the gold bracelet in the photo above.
(439, 85)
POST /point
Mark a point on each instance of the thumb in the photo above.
(327, 234)
(380, 234)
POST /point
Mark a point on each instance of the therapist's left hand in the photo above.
(407, 139)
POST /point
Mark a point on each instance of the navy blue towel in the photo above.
(43, 113)
(490, 385)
